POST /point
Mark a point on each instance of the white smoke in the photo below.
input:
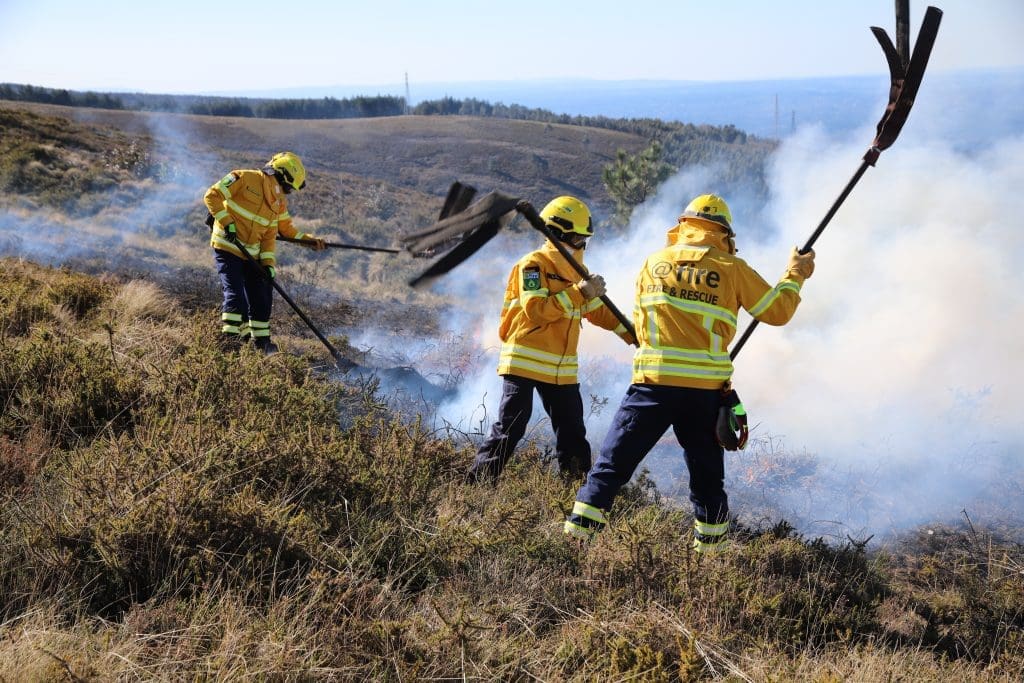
(903, 367)
(913, 305)
(127, 224)
(896, 387)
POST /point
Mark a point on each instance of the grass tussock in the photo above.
(170, 511)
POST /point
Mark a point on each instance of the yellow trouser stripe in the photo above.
(705, 547)
(705, 529)
(577, 531)
(589, 511)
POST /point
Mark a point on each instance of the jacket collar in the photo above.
(273, 194)
(695, 234)
(551, 251)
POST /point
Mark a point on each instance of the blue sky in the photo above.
(206, 47)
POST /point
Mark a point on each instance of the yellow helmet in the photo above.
(289, 167)
(710, 208)
(568, 214)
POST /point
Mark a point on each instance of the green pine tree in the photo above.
(631, 179)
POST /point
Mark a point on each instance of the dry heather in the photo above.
(171, 512)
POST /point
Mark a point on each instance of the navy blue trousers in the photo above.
(562, 403)
(646, 413)
(247, 292)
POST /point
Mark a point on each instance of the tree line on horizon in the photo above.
(362, 106)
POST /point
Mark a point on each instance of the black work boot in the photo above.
(265, 345)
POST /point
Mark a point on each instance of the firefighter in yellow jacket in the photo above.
(248, 209)
(545, 301)
(687, 298)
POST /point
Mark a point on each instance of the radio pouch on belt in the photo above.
(731, 427)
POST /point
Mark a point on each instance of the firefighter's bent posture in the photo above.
(544, 303)
(249, 209)
(687, 297)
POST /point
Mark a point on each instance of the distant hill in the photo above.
(369, 178)
(766, 108)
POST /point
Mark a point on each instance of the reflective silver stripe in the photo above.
(221, 215)
(551, 371)
(563, 370)
(221, 237)
(231, 317)
(592, 305)
(267, 255)
(253, 249)
(566, 303)
(709, 537)
(706, 547)
(260, 328)
(705, 529)
(718, 312)
(683, 363)
(620, 329)
(681, 371)
(245, 330)
(652, 330)
(533, 293)
(576, 531)
(550, 365)
(246, 213)
(229, 328)
(674, 353)
(772, 294)
(536, 354)
(589, 511)
(511, 303)
(225, 188)
(716, 342)
(284, 216)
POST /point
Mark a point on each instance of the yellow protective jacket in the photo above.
(255, 203)
(541, 318)
(688, 296)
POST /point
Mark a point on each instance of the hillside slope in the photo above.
(116, 190)
(160, 522)
(107, 190)
(418, 153)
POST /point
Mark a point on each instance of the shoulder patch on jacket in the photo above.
(531, 278)
(228, 179)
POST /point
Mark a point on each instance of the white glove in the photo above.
(592, 287)
(802, 264)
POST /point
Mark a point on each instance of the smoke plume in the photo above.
(891, 399)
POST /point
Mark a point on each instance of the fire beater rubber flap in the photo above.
(491, 207)
(905, 79)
